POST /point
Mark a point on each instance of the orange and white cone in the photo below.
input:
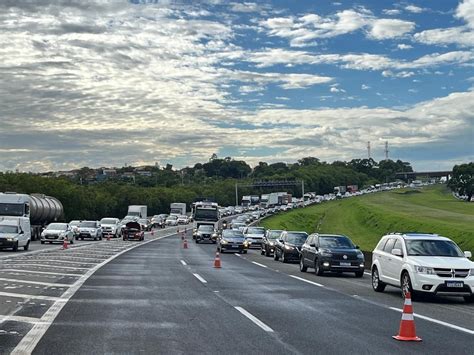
(407, 330)
(185, 244)
(108, 237)
(217, 260)
(65, 244)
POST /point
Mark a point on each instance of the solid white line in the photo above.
(446, 324)
(49, 260)
(19, 319)
(254, 262)
(38, 272)
(197, 276)
(254, 319)
(35, 282)
(238, 255)
(33, 297)
(50, 266)
(183, 262)
(304, 280)
(31, 339)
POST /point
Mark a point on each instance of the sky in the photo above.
(114, 82)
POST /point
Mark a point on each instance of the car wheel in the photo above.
(283, 259)
(377, 284)
(82, 238)
(359, 274)
(27, 246)
(77, 238)
(303, 267)
(262, 251)
(317, 269)
(72, 241)
(124, 239)
(245, 251)
(95, 238)
(197, 241)
(406, 286)
(275, 256)
(267, 252)
(100, 238)
(15, 247)
(42, 242)
(469, 299)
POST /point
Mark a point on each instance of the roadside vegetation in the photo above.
(366, 218)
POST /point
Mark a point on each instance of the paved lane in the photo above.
(161, 298)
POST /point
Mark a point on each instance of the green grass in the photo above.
(366, 218)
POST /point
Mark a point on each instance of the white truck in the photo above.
(29, 214)
(139, 211)
(205, 213)
(178, 209)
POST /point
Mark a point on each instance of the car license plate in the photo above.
(454, 284)
(344, 264)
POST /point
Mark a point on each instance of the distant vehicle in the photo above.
(33, 212)
(268, 242)
(206, 213)
(89, 229)
(12, 235)
(423, 264)
(75, 227)
(254, 235)
(57, 232)
(110, 226)
(178, 208)
(139, 211)
(172, 220)
(240, 226)
(145, 223)
(232, 240)
(288, 246)
(183, 219)
(158, 221)
(206, 232)
(133, 231)
(330, 252)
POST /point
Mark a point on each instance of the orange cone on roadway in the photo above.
(65, 244)
(407, 330)
(217, 260)
(185, 244)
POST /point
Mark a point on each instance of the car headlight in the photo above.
(11, 239)
(214, 235)
(287, 247)
(360, 254)
(223, 241)
(472, 272)
(325, 253)
(271, 244)
(424, 270)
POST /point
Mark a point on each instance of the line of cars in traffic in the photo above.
(419, 263)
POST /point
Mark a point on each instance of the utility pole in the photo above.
(368, 149)
(386, 150)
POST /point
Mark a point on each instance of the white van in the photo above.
(15, 233)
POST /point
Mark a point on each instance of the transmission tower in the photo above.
(386, 150)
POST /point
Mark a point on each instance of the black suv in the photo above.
(330, 252)
(269, 240)
(288, 246)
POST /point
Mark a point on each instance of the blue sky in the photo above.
(116, 82)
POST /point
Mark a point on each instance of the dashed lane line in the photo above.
(34, 282)
(199, 277)
(307, 281)
(254, 262)
(254, 319)
(33, 297)
(50, 266)
(183, 262)
(39, 272)
(19, 319)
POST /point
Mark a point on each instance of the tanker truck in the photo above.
(31, 212)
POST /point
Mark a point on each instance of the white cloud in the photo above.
(414, 9)
(401, 74)
(462, 36)
(365, 87)
(403, 46)
(390, 28)
(391, 12)
(465, 10)
(245, 7)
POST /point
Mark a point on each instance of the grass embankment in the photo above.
(366, 218)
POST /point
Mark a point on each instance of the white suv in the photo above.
(423, 263)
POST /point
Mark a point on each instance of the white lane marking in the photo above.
(307, 281)
(33, 297)
(50, 266)
(254, 262)
(31, 339)
(19, 319)
(183, 262)
(67, 257)
(36, 282)
(254, 319)
(63, 261)
(238, 255)
(446, 324)
(38, 272)
(199, 277)
(367, 273)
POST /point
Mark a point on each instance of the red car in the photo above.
(133, 231)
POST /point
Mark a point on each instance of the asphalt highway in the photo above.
(159, 298)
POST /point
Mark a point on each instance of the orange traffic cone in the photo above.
(217, 260)
(185, 244)
(407, 330)
(152, 232)
(108, 237)
(65, 244)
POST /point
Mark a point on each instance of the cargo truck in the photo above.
(31, 213)
(139, 211)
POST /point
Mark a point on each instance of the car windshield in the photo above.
(171, 218)
(87, 224)
(12, 209)
(336, 242)
(57, 226)
(427, 247)
(8, 229)
(296, 238)
(256, 230)
(108, 221)
(74, 223)
(203, 228)
(229, 233)
(274, 234)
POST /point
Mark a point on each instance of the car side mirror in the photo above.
(357, 247)
(468, 254)
(397, 252)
